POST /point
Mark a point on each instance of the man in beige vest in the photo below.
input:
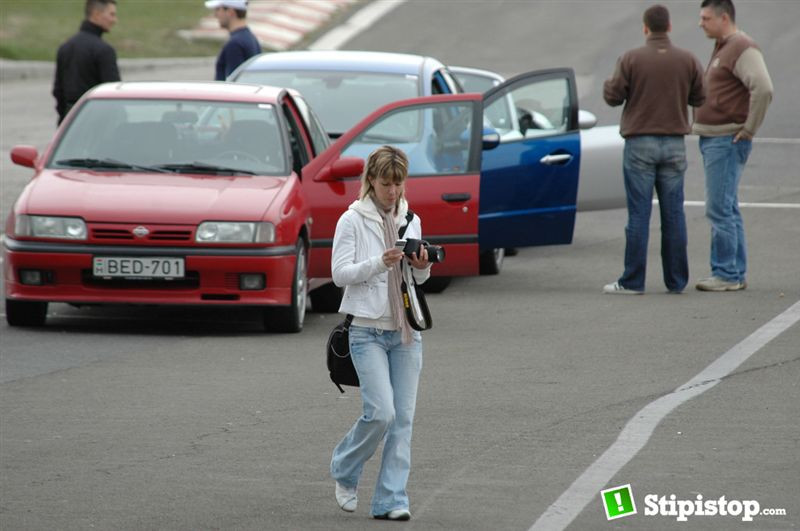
(739, 90)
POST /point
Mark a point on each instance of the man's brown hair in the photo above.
(656, 19)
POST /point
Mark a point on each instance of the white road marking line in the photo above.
(742, 205)
(362, 20)
(759, 140)
(638, 430)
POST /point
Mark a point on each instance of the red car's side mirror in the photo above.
(341, 169)
(24, 156)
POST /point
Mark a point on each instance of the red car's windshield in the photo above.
(173, 135)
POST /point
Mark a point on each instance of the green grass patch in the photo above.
(34, 29)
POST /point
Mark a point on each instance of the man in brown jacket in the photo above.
(739, 92)
(657, 83)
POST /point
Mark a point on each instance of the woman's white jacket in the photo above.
(357, 259)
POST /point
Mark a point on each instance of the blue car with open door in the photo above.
(478, 183)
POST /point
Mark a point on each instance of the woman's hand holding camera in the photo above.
(394, 255)
(421, 261)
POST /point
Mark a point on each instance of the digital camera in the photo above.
(413, 245)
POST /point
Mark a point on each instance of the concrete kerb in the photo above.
(21, 70)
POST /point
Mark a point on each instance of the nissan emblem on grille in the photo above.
(141, 232)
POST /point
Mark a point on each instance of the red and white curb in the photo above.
(277, 24)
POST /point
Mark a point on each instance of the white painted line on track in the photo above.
(638, 430)
(742, 205)
(759, 140)
(362, 20)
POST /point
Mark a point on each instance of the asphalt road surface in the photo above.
(538, 391)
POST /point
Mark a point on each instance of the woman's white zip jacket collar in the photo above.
(357, 259)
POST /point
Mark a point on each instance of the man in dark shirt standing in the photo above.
(242, 45)
(85, 60)
(656, 82)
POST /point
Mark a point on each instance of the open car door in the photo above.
(529, 182)
(441, 137)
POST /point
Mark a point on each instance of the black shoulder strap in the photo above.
(409, 217)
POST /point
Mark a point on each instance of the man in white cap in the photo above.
(242, 45)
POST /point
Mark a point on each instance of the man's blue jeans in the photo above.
(389, 373)
(655, 162)
(724, 161)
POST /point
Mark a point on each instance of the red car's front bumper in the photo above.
(212, 275)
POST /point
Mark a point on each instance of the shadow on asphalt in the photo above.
(155, 320)
(160, 320)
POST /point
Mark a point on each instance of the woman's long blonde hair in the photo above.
(384, 162)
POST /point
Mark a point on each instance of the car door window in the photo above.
(319, 140)
(439, 84)
(435, 137)
(531, 110)
(475, 82)
(500, 116)
(454, 87)
(297, 142)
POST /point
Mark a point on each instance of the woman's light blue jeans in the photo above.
(724, 162)
(389, 374)
(655, 162)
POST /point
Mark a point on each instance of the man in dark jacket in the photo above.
(657, 82)
(85, 60)
(232, 16)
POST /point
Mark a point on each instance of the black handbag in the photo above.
(340, 365)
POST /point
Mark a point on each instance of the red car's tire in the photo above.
(491, 262)
(26, 313)
(436, 284)
(289, 319)
(326, 299)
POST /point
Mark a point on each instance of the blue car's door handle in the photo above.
(560, 158)
(456, 198)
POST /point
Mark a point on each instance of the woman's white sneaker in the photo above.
(346, 498)
(399, 515)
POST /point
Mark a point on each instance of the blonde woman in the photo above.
(386, 352)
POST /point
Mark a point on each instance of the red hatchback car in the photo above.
(229, 194)
(168, 193)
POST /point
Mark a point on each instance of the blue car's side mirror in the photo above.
(491, 138)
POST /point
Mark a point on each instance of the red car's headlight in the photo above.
(50, 227)
(235, 232)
